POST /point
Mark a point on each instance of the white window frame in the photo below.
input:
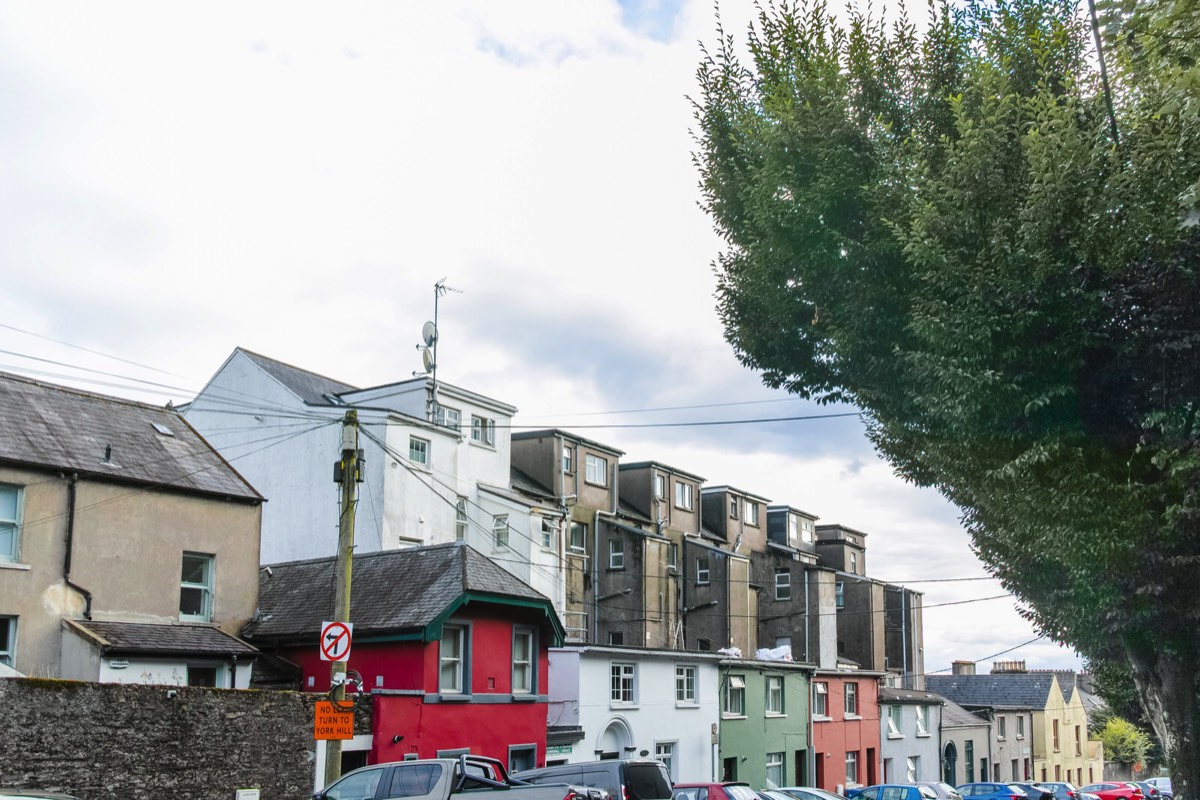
(578, 530)
(1001, 727)
(206, 588)
(660, 486)
(461, 521)
(623, 683)
(807, 530)
(774, 767)
(839, 595)
(703, 570)
(685, 684)
(616, 553)
(665, 752)
(483, 430)
(850, 698)
(449, 417)
(418, 450)
(568, 459)
(750, 513)
(596, 470)
(673, 556)
(735, 696)
(500, 530)
(922, 725)
(895, 720)
(524, 666)
(452, 660)
(8, 641)
(912, 768)
(851, 766)
(684, 496)
(793, 531)
(733, 508)
(773, 702)
(783, 588)
(10, 520)
(549, 533)
(853, 563)
(820, 700)
(1020, 726)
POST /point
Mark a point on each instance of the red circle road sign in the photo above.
(335, 641)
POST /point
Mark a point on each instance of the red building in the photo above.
(453, 649)
(845, 729)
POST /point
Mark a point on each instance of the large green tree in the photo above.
(992, 252)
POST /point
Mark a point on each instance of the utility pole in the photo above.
(346, 472)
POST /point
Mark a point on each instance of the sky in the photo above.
(181, 179)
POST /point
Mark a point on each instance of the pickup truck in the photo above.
(442, 778)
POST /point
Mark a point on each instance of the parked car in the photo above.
(439, 778)
(728, 790)
(1149, 790)
(1115, 790)
(894, 791)
(623, 779)
(1035, 792)
(943, 790)
(1163, 785)
(1061, 789)
(986, 790)
(809, 793)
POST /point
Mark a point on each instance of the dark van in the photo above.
(623, 779)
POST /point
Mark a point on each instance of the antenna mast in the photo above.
(430, 334)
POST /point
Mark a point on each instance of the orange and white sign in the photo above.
(329, 723)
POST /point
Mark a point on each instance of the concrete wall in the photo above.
(100, 741)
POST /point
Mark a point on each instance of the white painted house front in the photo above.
(631, 702)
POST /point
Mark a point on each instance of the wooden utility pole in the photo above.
(347, 474)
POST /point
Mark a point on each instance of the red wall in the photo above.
(833, 738)
(485, 729)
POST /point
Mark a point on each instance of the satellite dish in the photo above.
(429, 334)
(427, 360)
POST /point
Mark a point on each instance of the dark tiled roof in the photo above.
(1007, 690)
(165, 639)
(392, 591)
(524, 482)
(955, 716)
(308, 386)
(888, 694)
(53, 427)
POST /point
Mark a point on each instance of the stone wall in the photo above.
(102, 741)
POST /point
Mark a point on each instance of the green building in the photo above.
(765, 722)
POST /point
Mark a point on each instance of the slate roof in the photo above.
(53, 427)
(888, 694)
(392, 591)
(308, 386)
(164, 639)
(1005, 690)
(524, 482)
(955, 716)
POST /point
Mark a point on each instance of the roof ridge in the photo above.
(254, 354)
(58, 387)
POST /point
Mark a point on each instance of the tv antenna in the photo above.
(429, 335)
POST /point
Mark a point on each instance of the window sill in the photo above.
(454, 698)
(895, 735)
(14, 565)
(622, 706)
(484, 445)
(686, 704)
(819, 718)
(923, 734)
(775, 715)
(725, 715)
(524, 698)
(852, 717)
(611, 568)
(593, 483)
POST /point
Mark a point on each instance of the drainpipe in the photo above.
(904, 638)
(807, 655)
(612, 514)
(72, 482)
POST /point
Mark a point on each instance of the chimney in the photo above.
(962, 667)
(1008, 667)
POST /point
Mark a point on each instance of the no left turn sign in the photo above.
(335, 640)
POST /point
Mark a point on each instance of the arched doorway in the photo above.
(616, 741)
(950, 764)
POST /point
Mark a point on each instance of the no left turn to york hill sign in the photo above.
(335, 640)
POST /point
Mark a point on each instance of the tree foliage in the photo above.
(1123, 742)
(940, 228)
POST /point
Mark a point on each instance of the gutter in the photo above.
(72, 483)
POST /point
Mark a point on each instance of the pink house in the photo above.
(845, 729)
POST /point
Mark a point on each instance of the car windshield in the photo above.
(741, 793)
(647, 781)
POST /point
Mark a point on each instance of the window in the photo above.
(597, 470)
(683, 496)
(673, 556)
(1001, 724)
(624, 688)
(522, 661)
(774, 695)
(568, 455)
(483, 430)
(418, 450)
(820, 697)
(851, 699)
(579, 536)
(853, 563)
(665, 752)
(500, 529)
(806, 530)
(660, 486)
(201, 675)
(616, 553)
(894, 718)
(1078, 742)
(449, 417)
(453, 651)
(851, 766)
(616, 637)
(8, 641)
(751, 513)
(783, 584)
(460, 519)
(774, 770)
(10, 522)
(1020, 727)
(549, 529)
(702, 569)
(733, 508)
(1054, 727)
(969, 761)
(839, 595)
(793, 530)
(685, 684)
(922, 728)
(413, 780)
(360, 783)
(196, 588)
(913, 769)
(735, 696)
